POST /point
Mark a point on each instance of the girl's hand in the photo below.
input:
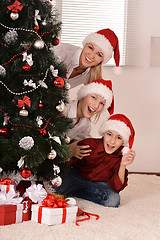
(79, 151)
(128, 158)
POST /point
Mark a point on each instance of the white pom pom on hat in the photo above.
(123, 126)
(101, 87)
(108, 42)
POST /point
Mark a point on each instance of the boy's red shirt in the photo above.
(99, 165)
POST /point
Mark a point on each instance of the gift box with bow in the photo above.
(53, 211)
(6, 184)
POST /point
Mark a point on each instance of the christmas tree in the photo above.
(33, 92)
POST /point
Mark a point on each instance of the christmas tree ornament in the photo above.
(43, 131)
(5, 121)
(21, 162)
(52, 154)
(53, 71)
(44, 23)
(67, 139)
(36, 18)
(40, 104)
(39, 44)
(56, 182)
(42, 84)
(2, 71)
(25, 173)
(26, 143)
(55, 41)
(15, 8)
(36, 28)
(28, 59)
(56, 170)
(29, 83)
(26, 67)
(4, 132)
(14, 15)
(11, 37)
(23, 112)
(25, 100)
(39, 121)
(67, 86)
(60, 107)
(59, 82)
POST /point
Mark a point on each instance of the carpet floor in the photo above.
(137, 218)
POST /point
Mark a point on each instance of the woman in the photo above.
(85, 65)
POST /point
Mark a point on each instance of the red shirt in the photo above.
(99, 165)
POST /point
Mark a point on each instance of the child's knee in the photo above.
(113, 200)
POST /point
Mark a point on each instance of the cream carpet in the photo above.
(137, 218)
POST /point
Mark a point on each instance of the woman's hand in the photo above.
(128, 158)
(79, 151)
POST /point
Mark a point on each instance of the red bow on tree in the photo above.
(15, 7)
(26, 100)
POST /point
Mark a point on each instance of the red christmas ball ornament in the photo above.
(59, 82)
(40, 104)
(25, 173)
(43, 131)
(3, 132)
(26, 67)
(56, 42)
(36, 28)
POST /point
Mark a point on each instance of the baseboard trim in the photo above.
(147, 173)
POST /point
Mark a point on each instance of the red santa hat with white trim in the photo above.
(123, 126)
(108, 42)
(101, 87)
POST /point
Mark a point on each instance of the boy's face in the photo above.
(112, 141)
(90, 105)
(91, 56)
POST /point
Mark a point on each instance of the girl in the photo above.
(92, 99)
(85, 65)
(100, 176)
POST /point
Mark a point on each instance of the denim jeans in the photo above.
(73, 184)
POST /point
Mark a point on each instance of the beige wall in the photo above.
(137, 93)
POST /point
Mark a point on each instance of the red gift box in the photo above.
(10, 214)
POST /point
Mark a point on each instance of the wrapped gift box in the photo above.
(53, 216)
(10, 214)
(6, 185)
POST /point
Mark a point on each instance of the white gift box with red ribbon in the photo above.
(53, 216)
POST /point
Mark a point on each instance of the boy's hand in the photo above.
(128, 157)
(79, 151)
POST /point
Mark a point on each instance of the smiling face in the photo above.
(90, 105)
(112, 141)
(91, 56)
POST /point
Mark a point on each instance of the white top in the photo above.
(82, 129)
(69, 55)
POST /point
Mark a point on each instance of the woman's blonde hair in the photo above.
(95, 73)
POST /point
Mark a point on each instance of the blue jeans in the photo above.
(73, 184)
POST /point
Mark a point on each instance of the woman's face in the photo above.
(90, 105)
(91, 56)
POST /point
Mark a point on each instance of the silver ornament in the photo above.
(67, 139)
(23, 112)
(68, 86)
(52, 154)
(60, 107)
(56, 170)
(11, 37)
(39, 44)
(2, 71)
(26, 143)
(14, 15)
(57, 181)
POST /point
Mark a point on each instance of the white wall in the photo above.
(137, 93)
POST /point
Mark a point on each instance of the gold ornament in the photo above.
(60, 107)
(23, 112)
(14, 15)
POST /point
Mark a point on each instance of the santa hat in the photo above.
(123, 126)
(108, 42)
(102, 88)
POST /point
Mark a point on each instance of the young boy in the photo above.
(100, 176)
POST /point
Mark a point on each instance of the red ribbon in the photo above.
(51, 202)
(15, 7)
(7, 182)
(82, 213)
(26, 100)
